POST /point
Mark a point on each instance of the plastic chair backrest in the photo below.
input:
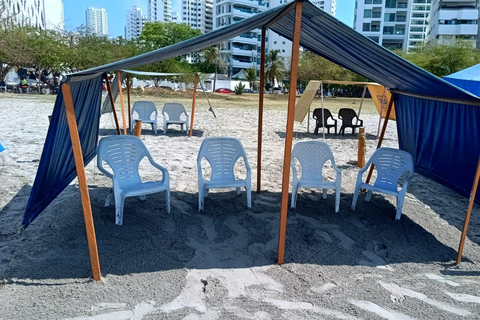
(174, 111)
(317, 114)
(144, 109)
(347, 115)
(391, 164)
(222, 153)
(123, 154)
(312, 156)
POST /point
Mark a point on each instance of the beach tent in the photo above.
(380, 96)
(436, 121)
(468, 79)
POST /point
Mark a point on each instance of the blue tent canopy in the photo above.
(424, 103)
(467, 79)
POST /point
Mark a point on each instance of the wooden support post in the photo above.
(289, 131)
(137, 130)
(260, 110)
(128, 99)
(382, 135)
(469, 212)
(193, 103)
(82, 180)
(119, 77)
(361, 147)
(110, 95)
(361, 103)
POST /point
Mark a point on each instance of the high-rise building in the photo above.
(176, 17)
(394, 24)
(42, 14)
(160, 10)
(198, 14)
(134, 23)
(276, 42)
(97, 22)
(452, 20)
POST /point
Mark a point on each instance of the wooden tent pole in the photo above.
(119, 77)
(384, 129)
(193, 103)
(292, 94)
(260, 110)
(361, 103)
(469, 212)
(82, 181)
(110, 95)
(128, 99)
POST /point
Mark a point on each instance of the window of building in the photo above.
(366, 27)
(283, 42)
(390, 3)
(283, 50)
(274, 42)
(367, 13)
(389, 17)
(387, 30)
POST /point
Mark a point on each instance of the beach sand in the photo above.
(221, 264)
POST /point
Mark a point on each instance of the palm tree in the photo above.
(213, 56)
(251, 76)
(275, 68)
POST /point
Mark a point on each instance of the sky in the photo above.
(116, 9)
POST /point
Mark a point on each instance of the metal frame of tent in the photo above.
(294, 10)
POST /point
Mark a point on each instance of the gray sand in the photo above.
(221, 264)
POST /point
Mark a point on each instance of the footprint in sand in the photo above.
(324, 235)
(380, 249)
(360, 223)
(375, 261)
(438, 278)
(345, 241)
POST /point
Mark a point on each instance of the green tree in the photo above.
(444, 59)
(275, 67)
(251, 76)
(214, 57)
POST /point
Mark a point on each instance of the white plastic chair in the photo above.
(144, 110)
(123, 154)
(391, 165)
(312, 156)
(222, 153)
(172, 114)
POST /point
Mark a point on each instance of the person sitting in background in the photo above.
(23, 85)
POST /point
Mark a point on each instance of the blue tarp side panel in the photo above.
(153, 74)
(106, 106)
(206, 40)
(57, 167)
(1, 148)
(337, 42)
(442, 137)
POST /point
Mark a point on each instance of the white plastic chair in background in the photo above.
(144, 111)
(123, 154)
(222, 153)
(172, 114)
(391, 165)
(312, 156)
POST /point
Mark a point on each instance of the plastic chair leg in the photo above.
(109, 198)
(119, 201)
(249, 196)
(368, 196)
(337, 200)
(239, 190)
(324, 193)
(168, 200)
(399, 207)
(355, 197)
(294, 196)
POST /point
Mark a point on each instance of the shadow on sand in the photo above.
(149, 132)
(226, 235)
(311, 135)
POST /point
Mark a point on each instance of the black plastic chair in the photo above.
(347, 116)
(322, 122)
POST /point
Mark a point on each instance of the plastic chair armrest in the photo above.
(102, 169)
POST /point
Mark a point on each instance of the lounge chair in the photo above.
(323, 121)
(146, 112)
(347, 116)
(172, 114)
(123, 154)
(222, 153)
(394, 171)
(312, 156)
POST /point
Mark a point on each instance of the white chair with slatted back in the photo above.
(144, 111)
(394, 170)
(123, 154)
(312, 157)
(222, 153)
(174, 113)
